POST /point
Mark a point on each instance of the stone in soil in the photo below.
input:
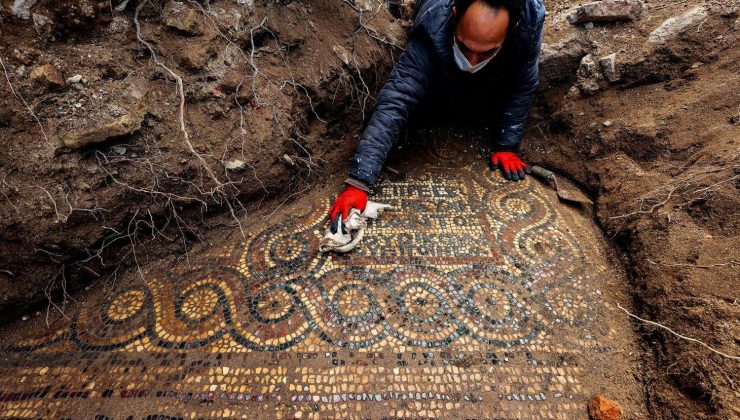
(609, 67)
(123, 126)
(559, 61)
(677, 25)
(602, 408)
(22, 8)
(589, 75)
(342, 53)
(235, 165)
(75, 79)
(607, 11)
(48, 76)
(183, 19)
(195, 57)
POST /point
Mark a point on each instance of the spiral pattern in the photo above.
(496, 268)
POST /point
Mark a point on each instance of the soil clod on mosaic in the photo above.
(370, 209)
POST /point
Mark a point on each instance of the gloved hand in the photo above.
(511, 166)
(351, 197)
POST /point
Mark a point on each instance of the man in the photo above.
(456, 47)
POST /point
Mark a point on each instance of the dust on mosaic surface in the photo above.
(472, 295)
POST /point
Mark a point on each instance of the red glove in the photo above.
(510, 164)
(351, 197)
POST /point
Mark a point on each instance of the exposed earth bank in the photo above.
(274, 94)
(97, 175)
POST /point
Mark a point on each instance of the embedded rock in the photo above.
(589, 75)
(609, 67)
(183, 19)
(678, 24)
(607, 11)
(602, 408)
(588, 68)
(234, 83)
(75, 79)
(42, 23)
(342, 53)
(123, 126)
(195, 57)
(122, 6)
(22, 8)
(559, 61)
(119, 25)
(48, 76)
(235, 165)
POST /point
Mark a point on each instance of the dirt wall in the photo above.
(658, 149)
(96, 158)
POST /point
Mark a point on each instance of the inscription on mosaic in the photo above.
(431, 217)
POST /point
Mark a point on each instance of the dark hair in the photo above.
(514, 7)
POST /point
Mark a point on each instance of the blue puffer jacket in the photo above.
(428, 61)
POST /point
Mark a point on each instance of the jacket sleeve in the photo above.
(408, 83)
(516, 107)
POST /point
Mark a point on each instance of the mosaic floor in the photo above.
(472, 297)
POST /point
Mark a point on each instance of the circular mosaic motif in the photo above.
(274, 304)
(273, 316)
(199, 303)
(126, 305)
(421, 303)
(497, 309)
(420, 313)
(353, 302)
(113, 322)
(281, 252)
(288, 249)
(570, 302)
(516, 206)
(339, 324)
(491, 303)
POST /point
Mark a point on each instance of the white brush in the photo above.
(345, 236)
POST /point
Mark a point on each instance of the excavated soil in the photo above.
(656, 148)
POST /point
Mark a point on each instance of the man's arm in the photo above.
(516, 109)
(407, 85)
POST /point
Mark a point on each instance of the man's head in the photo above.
(481, 26)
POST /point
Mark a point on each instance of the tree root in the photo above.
(693, 340)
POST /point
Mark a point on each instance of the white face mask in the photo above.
(463, 63)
